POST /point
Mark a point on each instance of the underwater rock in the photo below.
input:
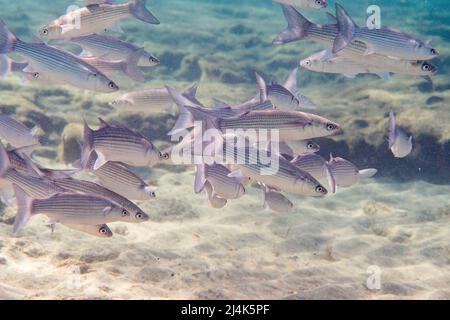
(240, 29)
(70, 149)
(46, 123)
(8, 110)
(190, 69)
(433, 100)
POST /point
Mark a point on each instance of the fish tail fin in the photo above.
(262, 88)
(347, 28)
(139, 11)
(393, 126)
(200, 178)
(185, 119)
(4, 160)
(7, 39)
(24, 209)
(5, 65)
(88, 144)
(131, 66)
(367, 173)
(297, 26)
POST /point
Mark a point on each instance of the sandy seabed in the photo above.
(322, 250)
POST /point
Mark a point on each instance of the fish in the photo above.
(100, 231)
(17, 134)
(136, 214)
(285, 96)
(110, 48)
(215, 201)
(376, 64)
(62, 66)
(317, 167)
(275, 201)
(117, 177)
(218, 177)
(186, 118)
(399, 143)
(290, 125)
(34, 185)
(127, 67)
(382, 41)
(119, 144)
(95, 18)
(306, 4)
(67, 208)
(300, 28)
(346, 173)
(151, 100)
(275, 171)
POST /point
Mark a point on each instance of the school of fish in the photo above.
(111, 150)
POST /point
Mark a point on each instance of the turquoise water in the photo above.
(398, 221)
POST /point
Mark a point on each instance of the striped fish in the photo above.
(100, 231)
(214, 200)
(118, 178)
(285, 96)
(150, 100)
(218, 177)
(382, 41)
(127, 66)
(307, 4)
(67, 208)
(136, 215)
(111, 48)
(317, 167)
(300, 28)
(376, 64)
(275, 171)
(290, 125)
(346, 173)
(95, 18)
(400, 144)
(118, 144)
(57, 64)
(16, 133)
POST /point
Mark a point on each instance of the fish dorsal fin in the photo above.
(262, 88)
(346, 27)
(103, 123)
(393, 128)
(291, 82)
(219, 104)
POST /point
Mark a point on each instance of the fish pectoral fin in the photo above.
(29, 69)
(350, 75)
(367, 173)
(384, 75)
(101, 160)
(370, 50)
(107, 210)
(85, 54)
(116, 28)
(236, 174)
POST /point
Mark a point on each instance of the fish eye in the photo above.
(433, 51)
(112, 85)
(319, 2)
(153, 194)
(124, 213)
(426, 67)
(45, 31)
(320, 189)
(103, 231)
(36, 75)
(165, 156)
(331, 127)
(139, 216)
(310, 146)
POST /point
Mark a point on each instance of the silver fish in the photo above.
(127, 67)
(150, 100)
(346, 173)
(277, 202)
(67, 208)
(376, 64)
(118, 144)
(291, 125)
(215, 201)
(118, 178)
(400, 144)
(382, 41)
(306, 4)
(55, 63)
(317, 167)
(136, 215)
(95, 18)
(16, 133)
(111, 48)
(218, 177)
(300, 28)
(100, 231)
(285, 96)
